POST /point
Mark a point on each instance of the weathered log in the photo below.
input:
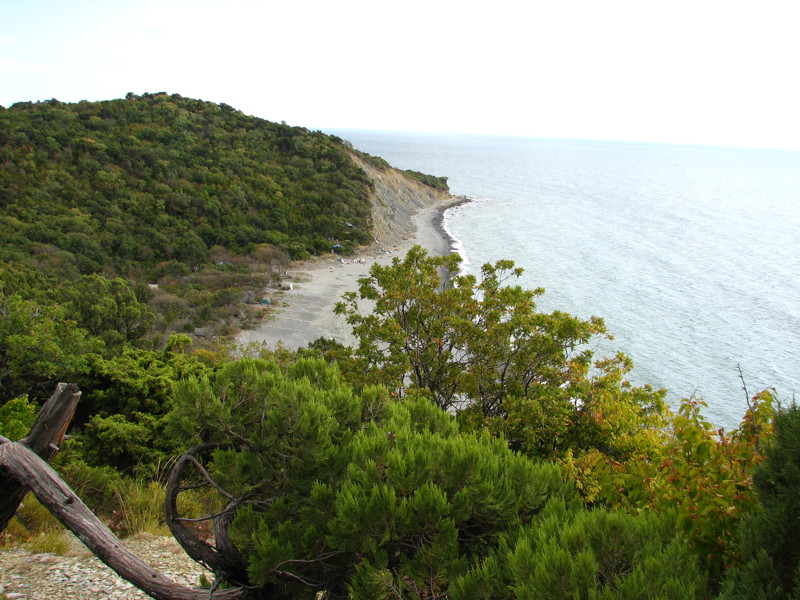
(44, 440)
(18, 461)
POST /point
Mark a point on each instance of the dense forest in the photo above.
(468, 446)
(123, 185)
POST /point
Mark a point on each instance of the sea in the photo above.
(690, 254)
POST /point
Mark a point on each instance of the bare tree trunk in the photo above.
(44, 440)
(31, 471)
(224, 559)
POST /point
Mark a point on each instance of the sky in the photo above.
(695, 72)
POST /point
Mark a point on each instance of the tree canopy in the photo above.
(478, 346)
(128, 183)
(193, 199)
(362, 495)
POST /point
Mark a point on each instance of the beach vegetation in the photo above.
(522, 469)
(362, 495)
(701, 475)
(479, 349)
(437, 183)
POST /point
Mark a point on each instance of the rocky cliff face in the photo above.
(396, 200)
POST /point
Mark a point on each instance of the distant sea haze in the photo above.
(691, 255)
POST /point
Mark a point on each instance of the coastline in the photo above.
(305, 312)
(438, 224)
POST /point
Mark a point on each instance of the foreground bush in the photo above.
(770, 538)
(363, 496)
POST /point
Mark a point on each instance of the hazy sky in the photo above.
(697, 71)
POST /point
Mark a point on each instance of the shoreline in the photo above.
(438, 223)
(304, 312)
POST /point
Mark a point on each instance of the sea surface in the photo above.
(691, 255)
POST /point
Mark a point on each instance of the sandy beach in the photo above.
(305, 312)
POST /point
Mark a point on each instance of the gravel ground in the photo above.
(79, 575)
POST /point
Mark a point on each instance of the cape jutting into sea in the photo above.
(690, 254)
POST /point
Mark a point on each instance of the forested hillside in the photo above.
(122, 185)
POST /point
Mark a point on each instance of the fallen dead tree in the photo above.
(23, 467)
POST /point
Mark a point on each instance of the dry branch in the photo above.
(32, 472)
(225, 559)
(23, 467)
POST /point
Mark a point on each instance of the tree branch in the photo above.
(225, 560)
(31, 471)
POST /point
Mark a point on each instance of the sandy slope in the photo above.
(405, 213)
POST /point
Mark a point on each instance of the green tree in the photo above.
(122, 416)
(17, 416)
(191, 248)
(604, 555)
(479, 346)
(700, 476)
(39, 345)
(411, 335)
(108, 308)
(353, 494)
(571, 552)
(770, 537)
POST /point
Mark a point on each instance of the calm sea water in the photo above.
(690, 254)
